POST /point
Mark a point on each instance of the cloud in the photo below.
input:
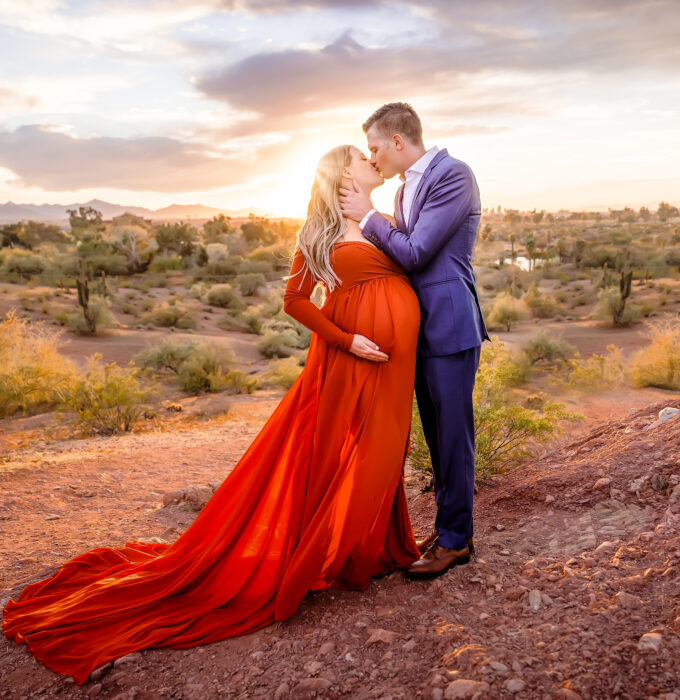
(43, 156)
(12, 100)
(294, 82)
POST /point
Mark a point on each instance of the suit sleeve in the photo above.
(448, 204)
(297, 303)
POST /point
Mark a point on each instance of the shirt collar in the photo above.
(420, 166)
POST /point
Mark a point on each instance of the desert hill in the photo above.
(573, 592)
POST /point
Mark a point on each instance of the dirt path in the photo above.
(578, 558)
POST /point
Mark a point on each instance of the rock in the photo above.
(602, 483)
(675, 494)
(100, 671)
(310, 687)
(283, 691)
(550, 498)
(514, 685)
(313, 667)
(500, 527)
(463, 688)
(668, 413)
(193, 691)
(53, 516)
(127, 660)
(567, 694)
(94, 690)
(652, 641)
(605, 549)
(380, 635)
(534, 599)
(498, 666)
(436, 694)
(410, 645)
(626, 600)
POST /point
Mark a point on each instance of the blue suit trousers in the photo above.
(444, 387)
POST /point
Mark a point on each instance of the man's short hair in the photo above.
(397, 118)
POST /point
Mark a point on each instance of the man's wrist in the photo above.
(364, 221)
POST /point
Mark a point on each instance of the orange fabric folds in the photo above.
(316, 502)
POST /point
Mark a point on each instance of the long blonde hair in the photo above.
(324, 224)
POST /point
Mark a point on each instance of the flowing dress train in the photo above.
(317, 501)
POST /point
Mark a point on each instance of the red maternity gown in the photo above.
(317, 501)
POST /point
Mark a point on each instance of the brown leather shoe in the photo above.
(424, 544)
(436, 561)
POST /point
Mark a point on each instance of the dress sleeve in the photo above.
(297, 303)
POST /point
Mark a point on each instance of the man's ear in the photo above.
(398, 142)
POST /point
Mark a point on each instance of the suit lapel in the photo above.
(416, 205)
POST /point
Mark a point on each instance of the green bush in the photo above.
(281, 373)
(170, 314)
(250, 283)
(610, 307)
(100, 309)
(197, 366)
(542, 305)
(542, 347)
(112, 264)
(32, 372)
(596, 371)
(659, 363)
(163, 263)
(223, 295)
(23, 262)
(505, 431)
(107, 399)
(278, 343)
(505, 311)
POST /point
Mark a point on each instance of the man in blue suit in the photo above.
(437, 211)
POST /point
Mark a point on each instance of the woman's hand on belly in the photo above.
(367, 349)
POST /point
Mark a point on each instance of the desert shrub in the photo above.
(112, 264)
(278, 343)
(163, 263)
(542, 305)
(505, 430)
(659, 363)
(31, 370)
(99, 309)
(281, 373)
(542, 347)
(418, 452)
(23, 262)
(611, 307)
(197, 366)
(596, 371)
(107, 399)
(250, 283)
(277, 256)
(258, 266)
(170, 314)
(505, 311)
(223, 295)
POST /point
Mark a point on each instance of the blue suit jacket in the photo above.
(435, 248)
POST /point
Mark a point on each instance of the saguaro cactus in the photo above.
(83, 287)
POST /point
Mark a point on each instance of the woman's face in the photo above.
(362, 172)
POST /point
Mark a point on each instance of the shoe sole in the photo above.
(413, 574)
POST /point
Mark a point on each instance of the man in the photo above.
(437, 210)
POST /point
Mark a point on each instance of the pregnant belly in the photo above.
(385, 310)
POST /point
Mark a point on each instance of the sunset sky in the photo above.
(230, 103)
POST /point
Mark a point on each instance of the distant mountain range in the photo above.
(56, 213)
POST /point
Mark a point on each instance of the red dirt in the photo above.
(590, 534)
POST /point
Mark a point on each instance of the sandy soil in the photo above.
(573, 591)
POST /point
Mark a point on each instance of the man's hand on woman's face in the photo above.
(354, 203)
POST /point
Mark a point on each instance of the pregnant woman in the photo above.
(316, 502)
